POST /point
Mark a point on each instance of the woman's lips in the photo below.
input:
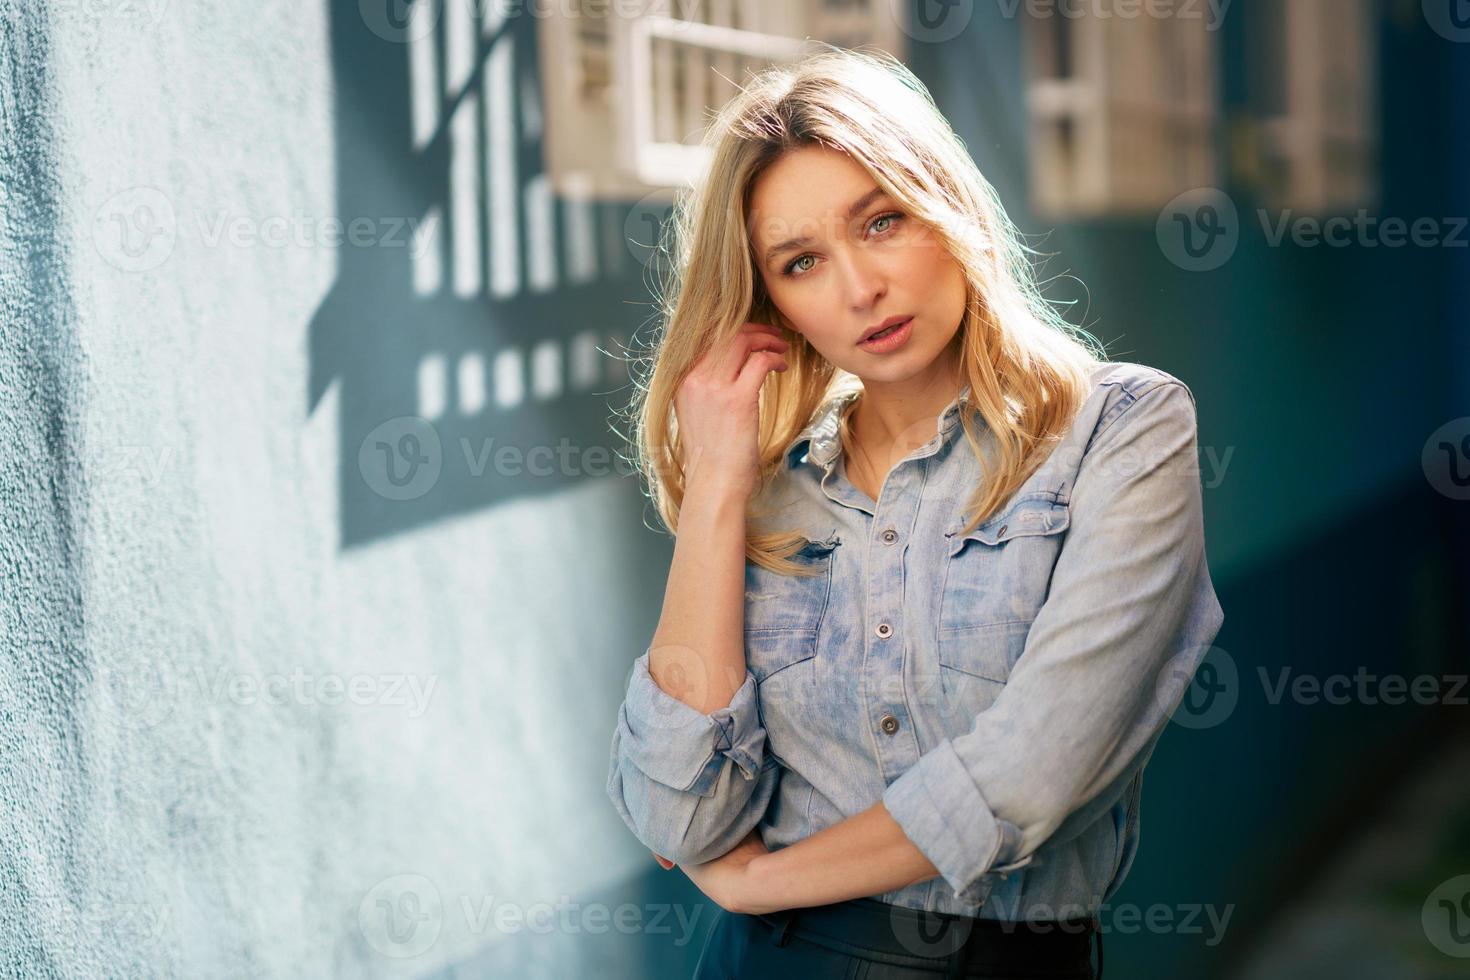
(895, 338)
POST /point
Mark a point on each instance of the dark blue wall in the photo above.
(1321, 371)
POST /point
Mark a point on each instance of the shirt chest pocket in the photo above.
(783, 613)
(974, 665)
(996, 579)
(1000, 572)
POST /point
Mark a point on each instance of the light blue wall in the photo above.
(186, 517)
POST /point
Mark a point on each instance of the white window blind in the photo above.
(1121, 110)
(1314, 83)
(628, 98)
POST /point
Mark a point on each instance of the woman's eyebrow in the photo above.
(804, 240)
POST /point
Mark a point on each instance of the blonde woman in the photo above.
(939, 573)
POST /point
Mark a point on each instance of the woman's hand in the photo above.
(725, 880)
(717, 407)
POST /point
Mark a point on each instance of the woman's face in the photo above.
(853, 269)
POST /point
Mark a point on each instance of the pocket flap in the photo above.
(818, 547)
(1034, 514)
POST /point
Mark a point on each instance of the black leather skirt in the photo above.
(866, 938)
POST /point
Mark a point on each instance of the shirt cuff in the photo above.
(676, 745)
(943, 813)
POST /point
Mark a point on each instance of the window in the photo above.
(628, 98)
(1312, 130)
(1120, 108)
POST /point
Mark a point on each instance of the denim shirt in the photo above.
(1000, 691)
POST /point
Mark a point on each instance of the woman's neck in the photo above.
(893, 419)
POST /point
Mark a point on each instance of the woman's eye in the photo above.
(891, 216)
(790, 266)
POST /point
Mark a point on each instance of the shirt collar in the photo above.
(826, 445)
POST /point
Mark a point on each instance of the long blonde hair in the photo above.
(1026, 365)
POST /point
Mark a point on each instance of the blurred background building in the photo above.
(323, 573)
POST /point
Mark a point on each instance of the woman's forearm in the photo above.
(698, 649)
(865, 855)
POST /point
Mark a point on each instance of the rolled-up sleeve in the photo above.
(689, 785)
(1130, 614)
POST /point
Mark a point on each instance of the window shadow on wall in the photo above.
(478, 328)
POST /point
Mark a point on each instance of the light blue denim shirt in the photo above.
(1000, 691)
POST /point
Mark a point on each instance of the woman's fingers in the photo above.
(664, 862)
(757, 366)
(752, 337)
(718, 406)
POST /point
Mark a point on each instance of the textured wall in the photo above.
(180, 793)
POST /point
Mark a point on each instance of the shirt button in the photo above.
(889, 724)
(890, 536)
(884, 630)
(1002, 530)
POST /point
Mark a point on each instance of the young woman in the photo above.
(895, 714)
